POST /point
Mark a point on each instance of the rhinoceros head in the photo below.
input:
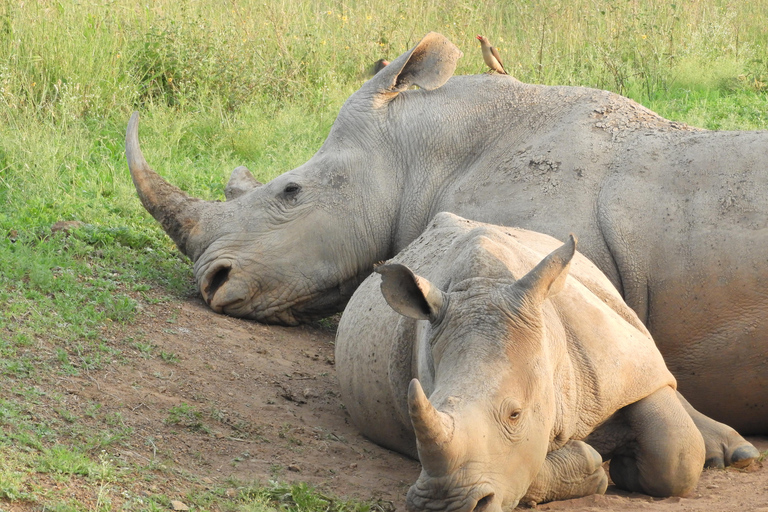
(484, 432)
(296, 248)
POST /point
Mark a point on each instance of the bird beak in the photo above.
(478, 37)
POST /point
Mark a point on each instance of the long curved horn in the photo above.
(177, 212)
(432, 427)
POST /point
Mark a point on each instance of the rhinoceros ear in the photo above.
(428, 65)
(240, 182)
(409, 294)
(548, 277)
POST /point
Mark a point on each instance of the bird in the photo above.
(377, 66)
(491, 56)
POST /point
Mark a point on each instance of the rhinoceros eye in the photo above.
(510, 416)
(511, 419)
(291, 190)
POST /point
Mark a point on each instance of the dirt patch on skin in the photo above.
(221, 399)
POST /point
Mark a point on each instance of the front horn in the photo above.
(434, 431)
(432, 427)
(176, 212)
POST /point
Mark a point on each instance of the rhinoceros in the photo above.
(674, 216)
(510, 365)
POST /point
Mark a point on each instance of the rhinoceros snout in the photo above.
(484, 504)
(478, 499)
(213, 280)
(221, 291)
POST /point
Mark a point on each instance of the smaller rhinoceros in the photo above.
(512, 368)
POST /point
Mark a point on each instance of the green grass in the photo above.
(222, 84)
(187, 416)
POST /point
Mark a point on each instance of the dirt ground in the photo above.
(269, 408)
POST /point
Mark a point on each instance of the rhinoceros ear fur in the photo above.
(428, 65)
(409, 294)
(548, 277)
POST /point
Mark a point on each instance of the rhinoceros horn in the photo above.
(178, 213)
(433, 429)
(548, 277)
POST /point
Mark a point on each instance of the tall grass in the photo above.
(211, 77)
(255, 83)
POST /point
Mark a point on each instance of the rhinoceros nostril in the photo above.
(483, 503)
(218, 278)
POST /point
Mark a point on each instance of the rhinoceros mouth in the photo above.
(307, 309)
(314, 306)
(229, 288)
(289, 312)
(431, 495)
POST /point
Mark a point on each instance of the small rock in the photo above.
(177, 505)
(294, 467)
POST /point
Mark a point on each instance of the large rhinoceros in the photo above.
(507, 373)
(675, 216)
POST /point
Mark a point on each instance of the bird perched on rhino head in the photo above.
(491, 56)
(377, 66)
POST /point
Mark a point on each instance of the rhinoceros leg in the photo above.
(663, 452)
(725, 447)
(573, 471)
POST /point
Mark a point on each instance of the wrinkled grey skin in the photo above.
(675, 216)
(533, 367)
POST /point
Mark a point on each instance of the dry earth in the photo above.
(270, 409)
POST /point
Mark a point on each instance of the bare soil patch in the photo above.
(264, 404)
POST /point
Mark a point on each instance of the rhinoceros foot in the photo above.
(573, 471)
(724, 446)
(738, 453)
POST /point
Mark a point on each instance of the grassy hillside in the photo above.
(222, 84)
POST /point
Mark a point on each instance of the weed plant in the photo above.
(222, 84)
